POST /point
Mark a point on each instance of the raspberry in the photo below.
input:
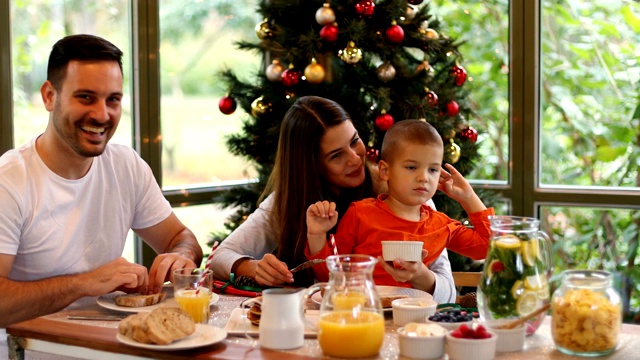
(457, 334)
(465, 330)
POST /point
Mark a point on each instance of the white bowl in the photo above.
(508, 339)
(400, 249)
(476, 349)
(421, 341)
(412, 310)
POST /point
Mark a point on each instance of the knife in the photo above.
(307, 264)
(96, 317)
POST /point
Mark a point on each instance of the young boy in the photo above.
(412, 154)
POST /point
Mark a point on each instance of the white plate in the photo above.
(386, 291)
(239, 325)
(203, 336)
(108, 301)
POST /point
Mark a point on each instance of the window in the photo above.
(483, 27)
(196, 42)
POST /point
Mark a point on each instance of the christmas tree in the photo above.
(383, 61)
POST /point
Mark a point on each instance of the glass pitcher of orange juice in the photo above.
(351, 323)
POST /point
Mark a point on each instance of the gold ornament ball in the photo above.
(431, 34)
(452, 152)
(274, 71)
(263, 30)
(259, 106)
(314, 73)
(386, 72)
(351, 54)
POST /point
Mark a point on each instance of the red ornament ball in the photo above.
(395, 33)
(227, 105)
(432, 98)
(384, 122)
(291, 77)
(415, 2)
(365, 8)
(469, 134)
(373, 155)
(452, 108)
(329, 33)
(460, 75)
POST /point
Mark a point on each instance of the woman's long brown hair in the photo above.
(296, 179)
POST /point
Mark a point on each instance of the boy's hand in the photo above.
(404, 271)
(454, 184)
(458, 188)
(321, 217)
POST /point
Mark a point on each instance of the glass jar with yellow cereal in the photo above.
(586, 313)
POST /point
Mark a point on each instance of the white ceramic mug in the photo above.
(282, 319)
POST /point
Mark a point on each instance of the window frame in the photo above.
(522, 190)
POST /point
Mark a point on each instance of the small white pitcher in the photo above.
(282, 319)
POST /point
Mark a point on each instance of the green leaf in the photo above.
(609, 153)
(631, 19)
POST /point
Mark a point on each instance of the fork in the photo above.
(307, 264)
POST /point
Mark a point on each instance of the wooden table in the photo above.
(97, 340)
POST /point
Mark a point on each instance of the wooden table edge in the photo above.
(104, 339)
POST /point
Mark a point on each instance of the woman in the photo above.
(320, 157)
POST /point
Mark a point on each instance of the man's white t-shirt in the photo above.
(55, 226)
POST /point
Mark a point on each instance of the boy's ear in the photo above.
(383, 170)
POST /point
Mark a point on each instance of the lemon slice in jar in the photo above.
(527, 303)
(535, 282)
(516, 289)
(510, 242)
(530, 252)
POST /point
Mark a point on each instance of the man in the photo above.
(69, 198)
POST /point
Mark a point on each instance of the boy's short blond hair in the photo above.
(408, 131)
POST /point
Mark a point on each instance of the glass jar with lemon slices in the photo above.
(516, 271)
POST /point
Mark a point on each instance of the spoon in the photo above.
(522, 320)
(307, 264)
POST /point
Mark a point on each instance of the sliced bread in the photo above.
(138, 300)
(134, 327)
(161, 326)
(168, 324)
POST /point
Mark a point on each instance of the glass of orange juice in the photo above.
(192, 291)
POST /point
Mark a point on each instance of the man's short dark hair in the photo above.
(80, 47)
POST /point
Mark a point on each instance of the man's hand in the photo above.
(163, 267)
(116, 274)
(272, 272)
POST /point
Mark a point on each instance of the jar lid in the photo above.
(587, 278)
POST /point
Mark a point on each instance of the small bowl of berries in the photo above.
(471, 342)
(451, 319)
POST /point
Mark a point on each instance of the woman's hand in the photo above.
(272, 272)
(321, 217)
